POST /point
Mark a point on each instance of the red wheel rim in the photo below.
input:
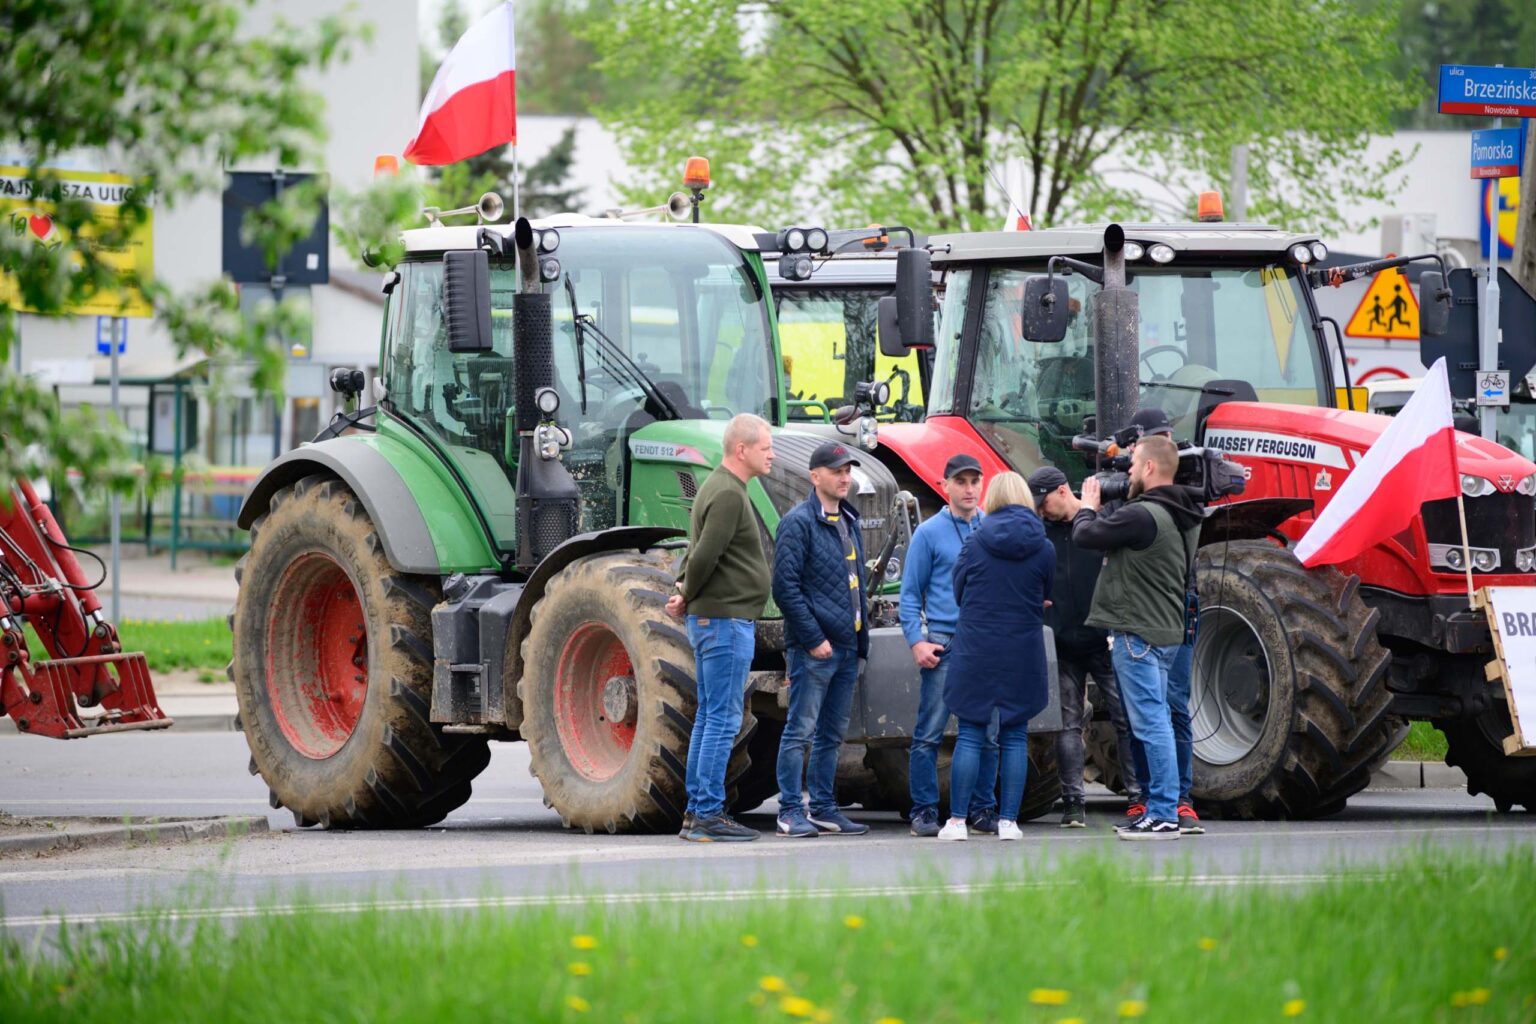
(317, 655)
(595, 703)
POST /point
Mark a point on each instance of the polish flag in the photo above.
(472, 104)
(1413, 461)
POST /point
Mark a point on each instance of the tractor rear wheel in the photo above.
(892, 770)
(1476, 746)
(1101, 748)
(609, 697)
(1288, 703)
(333, 670)
(760, 782)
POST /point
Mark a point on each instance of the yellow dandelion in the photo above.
(889, 1020)
(797, 1006)
(1458, 999)
(1070, 1020)
(1478, 997)
(1500, 953)
(1207, 944)
(1049, 996)
(579, 968)
(584, 942)
(578, 1004)
(1132, 1007)
(750, 941)
(854, 921)
(772, 983)
(1294, 1007)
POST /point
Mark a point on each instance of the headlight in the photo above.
(1161, 253)
(869, 436)
(1300, 253)
(1485, 561)
(1319, 251)
(1134, 251)
(1454, 559)
(795, 266)
(815, 239)
(549, 240)
(1525, 560)
(549, 270)
(794, 240)
(1475, 486)
(548, 401)
(1526, 486)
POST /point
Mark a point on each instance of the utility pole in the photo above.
(1524, 263)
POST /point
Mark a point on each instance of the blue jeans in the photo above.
(968, 767)
(1142, 670)
(722, 650)
(1178, 710)
(820, 701)
(928, 733)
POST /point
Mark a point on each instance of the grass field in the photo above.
(200, 644)
(1430, 937)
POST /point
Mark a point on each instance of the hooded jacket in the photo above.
(997, 657)
(1149, 544)
(1077, 574)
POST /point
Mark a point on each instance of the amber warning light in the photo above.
(385, 163)
(696, 172)
(1208, 207)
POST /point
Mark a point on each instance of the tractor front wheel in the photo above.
(1476, 746)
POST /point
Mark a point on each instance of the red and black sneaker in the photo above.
(1135, 812)
(1189, 821)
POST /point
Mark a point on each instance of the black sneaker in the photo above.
(1149, 828)
(835, 823)
(720, 829)
(682, 833)
(984, 822)
(925, 824)
(1072, 815)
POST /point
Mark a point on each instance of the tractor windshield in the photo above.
(1201, 326)
(830, 345)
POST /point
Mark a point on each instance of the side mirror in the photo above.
(1045, 308)
(1434, 311)
(888, 328)
(467, 299)
(914, 297)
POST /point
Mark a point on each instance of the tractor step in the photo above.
(42, 700)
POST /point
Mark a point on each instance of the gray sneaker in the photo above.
(1072, 815)
(925, 824)
(682, 833)
(720, 829)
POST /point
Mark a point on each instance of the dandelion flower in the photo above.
(772, 983)
(579, 968)
(750, 941)
(1133, 1008)
(578, 1004)
(1294, 1007)
(584, 942)
(1049, 996)
(854, 921)
(1478, 997)
(1458, 999)
(797, 1006)
(1070, 1020)
(889, 1020)
(1500, 953)
(1207, 944)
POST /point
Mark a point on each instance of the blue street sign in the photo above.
(104, 336)
(1496, 152)
(1487, 92)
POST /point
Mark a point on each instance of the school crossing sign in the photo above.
(1389, 309)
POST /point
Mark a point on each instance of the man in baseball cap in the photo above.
(833, 455)
(1152, 420)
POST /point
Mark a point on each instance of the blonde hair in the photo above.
(1007, 489)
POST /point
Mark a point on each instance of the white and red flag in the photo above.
(1413, 461)
(472, 104)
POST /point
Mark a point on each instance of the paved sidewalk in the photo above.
(151, 589)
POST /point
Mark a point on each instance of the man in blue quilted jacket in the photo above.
(818, 584)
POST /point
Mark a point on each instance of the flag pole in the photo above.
(517, 184)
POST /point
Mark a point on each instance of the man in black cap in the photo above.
(929, 616)
(818, 583)
(1081, 650)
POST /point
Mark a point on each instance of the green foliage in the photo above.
(1424, 743)
(1434, 32)
(169, 93)
(200, 644)
(867, 109)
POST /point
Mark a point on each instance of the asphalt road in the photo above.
(505, 847)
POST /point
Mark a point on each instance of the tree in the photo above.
(169, 93)
(870, 109)
(1435, 32)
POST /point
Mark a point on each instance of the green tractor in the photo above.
(486, 554)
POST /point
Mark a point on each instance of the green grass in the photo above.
(201, 644)
(1424, 743)
(1435, 936)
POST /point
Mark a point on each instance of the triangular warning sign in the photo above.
(1388, 310)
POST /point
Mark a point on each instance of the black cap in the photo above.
(1152, 420)
(832, 455)
(1045, 480)
(962, 463)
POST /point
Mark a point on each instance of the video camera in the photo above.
(1205, 471)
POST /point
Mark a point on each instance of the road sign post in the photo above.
(117, 339)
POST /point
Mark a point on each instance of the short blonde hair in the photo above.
(1007, 489)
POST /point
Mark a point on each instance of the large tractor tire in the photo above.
(1288, 704)
(760, 782)
(892, 770)
(333, 670)
(609, 697)
(1476, 746)
(1101, 754)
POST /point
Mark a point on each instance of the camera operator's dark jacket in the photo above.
(1149, 543)
(1077, 573)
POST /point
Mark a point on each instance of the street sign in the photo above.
(1496, 152)
(104, 336)
(1492, 387)
(1388, 309)
(1487, 92)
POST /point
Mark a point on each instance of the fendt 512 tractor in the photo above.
(1303, 679)
(486, 554)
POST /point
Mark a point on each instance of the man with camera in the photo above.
(1149, 545)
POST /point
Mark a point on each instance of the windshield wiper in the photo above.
(581, 350)
(584, 323)
(1204, 390)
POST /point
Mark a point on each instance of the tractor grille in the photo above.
(688, 485)
(872, 494)
(1503, 521)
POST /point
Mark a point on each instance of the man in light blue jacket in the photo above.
(929, 615)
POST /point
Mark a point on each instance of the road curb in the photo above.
(58, 834)
(183, 724)
(1417, 775)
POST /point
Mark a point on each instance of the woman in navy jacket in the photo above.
(1003, 578)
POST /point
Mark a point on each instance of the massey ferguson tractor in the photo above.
(486, 554)
(1303, 679)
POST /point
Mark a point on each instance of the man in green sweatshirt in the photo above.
(725, 583)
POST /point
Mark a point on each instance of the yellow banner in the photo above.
(29, 215)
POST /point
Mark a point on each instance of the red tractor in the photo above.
(1303, 679)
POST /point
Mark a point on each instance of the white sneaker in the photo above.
(954, 831)
(1008, 830)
